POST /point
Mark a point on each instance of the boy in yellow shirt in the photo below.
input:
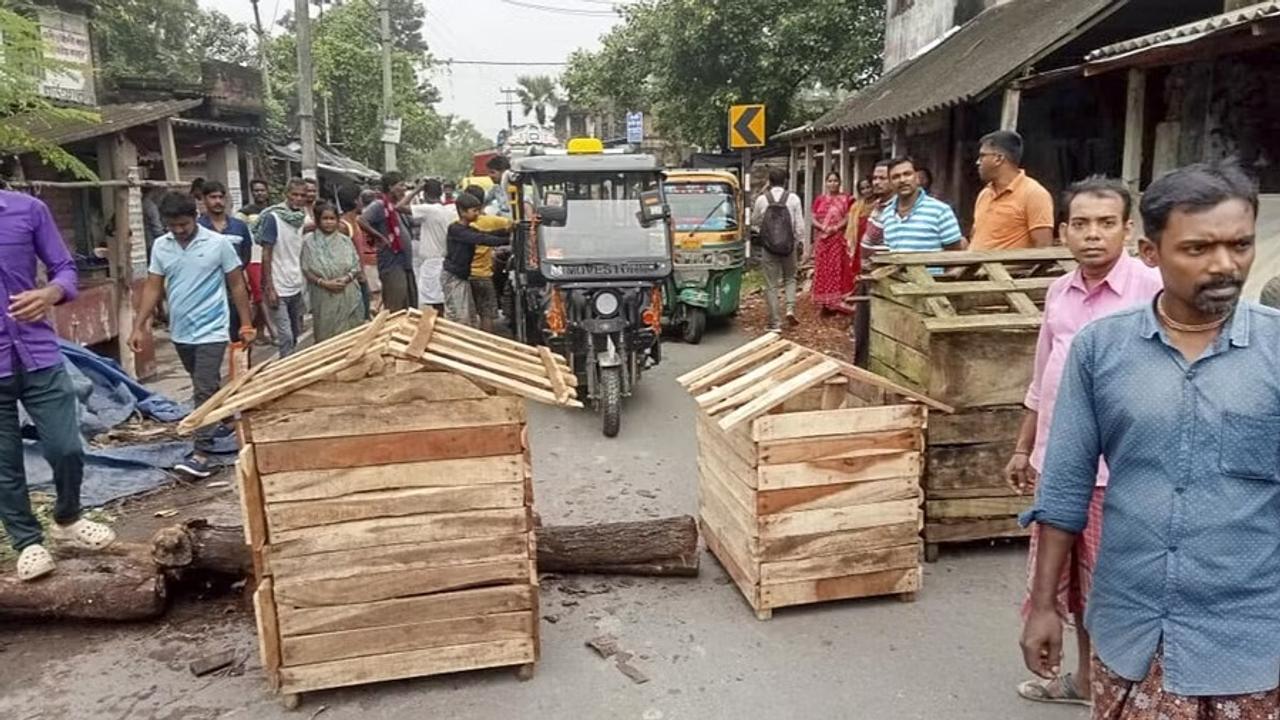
(483, 291)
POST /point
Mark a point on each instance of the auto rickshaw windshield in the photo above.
(602, 223)
(702, 207)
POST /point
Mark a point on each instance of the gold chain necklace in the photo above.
(1184, 327)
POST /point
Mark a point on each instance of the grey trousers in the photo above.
(50, 400)
(203, 363)
(459, 306)
(287, 318)
(779, 272)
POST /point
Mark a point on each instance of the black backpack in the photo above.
(776, 231)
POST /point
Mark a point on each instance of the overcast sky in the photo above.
(481, 30)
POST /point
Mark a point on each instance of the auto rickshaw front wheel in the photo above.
(695, 323)
(611, 400)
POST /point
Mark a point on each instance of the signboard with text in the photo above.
(635, 128)
(66, 36)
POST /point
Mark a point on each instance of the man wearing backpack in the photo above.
(779, 219)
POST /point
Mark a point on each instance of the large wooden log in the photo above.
(87, 588)
(667, 546)
(197, 546)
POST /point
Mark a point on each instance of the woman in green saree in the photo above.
(331, 266)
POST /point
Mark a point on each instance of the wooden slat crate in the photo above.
(808, 475)
(388, 503)
(966, 337)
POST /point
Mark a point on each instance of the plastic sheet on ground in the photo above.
(108, 397)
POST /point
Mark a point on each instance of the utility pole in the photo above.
(388, 103)
(262, 50)
(509, 103)
(306, 87)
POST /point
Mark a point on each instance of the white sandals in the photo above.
(34, 562)
(84, 533)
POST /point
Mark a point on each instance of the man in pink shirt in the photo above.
(1107, 280)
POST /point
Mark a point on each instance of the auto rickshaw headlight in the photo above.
(606, 303)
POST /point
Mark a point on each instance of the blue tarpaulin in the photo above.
(109, 397)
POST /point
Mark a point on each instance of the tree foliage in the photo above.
(686, 61)
(23, 64)
(451, 159)
(537, 94)
(165, 40)
(346, 53)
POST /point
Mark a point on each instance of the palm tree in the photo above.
(537, 93)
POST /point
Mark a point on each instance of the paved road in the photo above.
(951, 655)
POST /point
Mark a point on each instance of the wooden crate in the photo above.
(967, 338)
(389, 505)
(808, 475)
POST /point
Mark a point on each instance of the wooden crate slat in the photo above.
(780, 393)
(888, 582)
(939, 305)
(839, 446)
(309, 649)
(902, 557)
(735, 567)
(999, 321)
(388, 448)
(393, 503)
(709, 370)
(496, 379)
(835, 423)
(559, 384)
(251, 502)
(350, 563)
(381, 390)
(820, 497)
(969, 530)
(422, 334)
(337, 482)
(412, 663)
(264, 606)
(738, 367)
(367, 419)
(808, 522)
(402, 582)
(764, 385)
(1017, 300)
(797, 547)
(390, 531)
(758, 373)
(980, 507)
(945, 257)
(864, 466)
(977, 287)
(296, 622)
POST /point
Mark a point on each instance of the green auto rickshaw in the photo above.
(707, 212)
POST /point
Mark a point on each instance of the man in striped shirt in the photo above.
(916, 222)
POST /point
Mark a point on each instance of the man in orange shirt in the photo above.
(1014, 212)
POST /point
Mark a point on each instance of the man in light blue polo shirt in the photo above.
(194, 267)
(916, 222)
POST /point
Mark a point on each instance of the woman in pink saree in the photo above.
(832, 266)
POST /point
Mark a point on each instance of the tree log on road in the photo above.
(106, 587)
(197, 546)
(668, 546)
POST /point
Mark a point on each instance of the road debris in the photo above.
(212, 663)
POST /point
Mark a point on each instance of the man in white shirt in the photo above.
(778, 256)
(280, 235)
(434, 218)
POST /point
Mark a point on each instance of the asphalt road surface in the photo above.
(952, 654)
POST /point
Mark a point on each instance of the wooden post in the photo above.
(168, 148)
(826, 163)
(793, 169)
(1134, 126)
(1009, 111)
(898, 139)
(224, 166)
(124, 162)
(857, 170)
(808, 177)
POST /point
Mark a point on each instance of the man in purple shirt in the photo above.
(31, 372)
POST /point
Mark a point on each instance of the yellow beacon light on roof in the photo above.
(585, 146)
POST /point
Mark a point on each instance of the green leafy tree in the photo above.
(165, 40)
(686, 61)
(348, 72)
(451, 159)
(537, 94)
(23, 64)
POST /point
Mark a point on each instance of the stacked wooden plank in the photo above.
(808, 475)
(968, 338)
(388, 503)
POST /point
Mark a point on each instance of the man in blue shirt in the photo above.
(916, 222)
(215, 218)
(194, 267)
(1181, 397)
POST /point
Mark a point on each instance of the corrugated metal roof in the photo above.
(327, 159)
(1190, 31)
(112, 119)
(983, 53)
(215, 126)
(604, 162)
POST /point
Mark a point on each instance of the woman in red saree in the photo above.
(832, 267)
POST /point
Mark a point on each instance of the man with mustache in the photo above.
(1181, 398)
(916, 222)
(1108, 280)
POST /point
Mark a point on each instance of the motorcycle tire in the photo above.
(611, 400)
(695, 323)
